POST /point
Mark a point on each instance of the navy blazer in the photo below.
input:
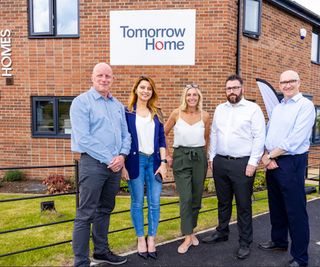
(132, 160)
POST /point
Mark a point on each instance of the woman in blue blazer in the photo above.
(146, 163)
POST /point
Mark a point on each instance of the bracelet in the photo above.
(164, 161)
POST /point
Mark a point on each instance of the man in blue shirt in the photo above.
(287, 143)
(100, 134)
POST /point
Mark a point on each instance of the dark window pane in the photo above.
(41, 16)
(252, 16)
(63, 116)
(67, 17)
(44, 116)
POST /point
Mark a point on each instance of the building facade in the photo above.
(49, 48)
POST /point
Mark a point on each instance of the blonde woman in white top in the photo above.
(189, 161)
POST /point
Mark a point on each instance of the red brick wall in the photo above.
(279, 48)
(62, 67)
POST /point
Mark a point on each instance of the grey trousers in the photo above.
(189, 170)
(98, 187)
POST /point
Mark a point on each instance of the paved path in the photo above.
(223, 254)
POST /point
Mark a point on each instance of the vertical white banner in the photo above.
(152, 37)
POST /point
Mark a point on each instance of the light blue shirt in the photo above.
(99, 126)
(290, 125)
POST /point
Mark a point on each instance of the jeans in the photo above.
(136, 187)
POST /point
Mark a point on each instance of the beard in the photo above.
(234, 99)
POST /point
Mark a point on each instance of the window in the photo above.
(50, 116)
(315, 48)
(316, 127)
(53, 18)
(252, 18)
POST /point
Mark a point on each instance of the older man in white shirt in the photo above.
(236, 146)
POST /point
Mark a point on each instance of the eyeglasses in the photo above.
(288, 82)
(233, 88)
(192, 85)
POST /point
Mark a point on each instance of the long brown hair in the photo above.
(151, 102)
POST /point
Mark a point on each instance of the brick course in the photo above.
(62, 67)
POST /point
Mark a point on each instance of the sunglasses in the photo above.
(192, 85)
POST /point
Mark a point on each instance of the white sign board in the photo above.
(152, 37)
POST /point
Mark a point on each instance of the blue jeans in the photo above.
(136, 187)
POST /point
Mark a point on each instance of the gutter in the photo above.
(297, 10)
(238, 56)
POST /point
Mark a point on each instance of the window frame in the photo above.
(52, 33)
(55, 100)
(315, 140)
(248, 33)
(317, 32)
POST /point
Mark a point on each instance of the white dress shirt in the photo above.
(238, 130)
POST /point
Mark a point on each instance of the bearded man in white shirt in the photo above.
(236, 146)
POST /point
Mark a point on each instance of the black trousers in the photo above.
(287, 204)
(230, 179)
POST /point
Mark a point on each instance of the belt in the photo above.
(289, 156)
(192, 152)
(231, 158)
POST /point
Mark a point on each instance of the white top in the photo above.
(189, 135)
(238, 130)
(145, 131)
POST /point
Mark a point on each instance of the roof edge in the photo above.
(297, 10)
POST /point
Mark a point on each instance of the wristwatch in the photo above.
(269, 156)
(164, 161)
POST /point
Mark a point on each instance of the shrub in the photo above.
(124, 186)
(71, 181)
(13, 175)
(209, 185)
(56, 184)
(259, 181)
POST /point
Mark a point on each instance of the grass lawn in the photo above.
(26, 213)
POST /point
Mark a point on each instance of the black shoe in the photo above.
(271, 246)
(153, 255)
(214, 238)
(293, 263)
(109, 257)
(143, 255)
(243, 252)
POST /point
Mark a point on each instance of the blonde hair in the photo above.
(152, 101)
(183, 102)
